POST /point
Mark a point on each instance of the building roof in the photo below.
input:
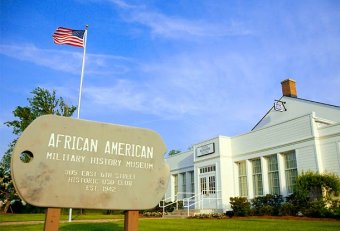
(296, 107)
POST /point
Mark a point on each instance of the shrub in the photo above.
(316, 208)
(208, 216)
(240, 206)
(267, 205)
(229, 214)
(310, 185)
(313, 193)
(267, 210)
(288, 209)
(335, 208)
(152, 214)
(256, 205)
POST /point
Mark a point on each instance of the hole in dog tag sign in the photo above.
(65, 162)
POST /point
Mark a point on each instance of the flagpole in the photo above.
(82, 72)
(79, 98)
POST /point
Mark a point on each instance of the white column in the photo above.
(282, 176)
(250, 179)
(236, 179)
(265, 182)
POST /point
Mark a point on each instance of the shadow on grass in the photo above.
(91, 227)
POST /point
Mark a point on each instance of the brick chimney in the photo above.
(289, 88)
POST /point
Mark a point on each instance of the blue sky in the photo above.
(190, 70)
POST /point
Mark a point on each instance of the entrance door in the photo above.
(208, 190)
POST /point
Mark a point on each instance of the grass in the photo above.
(41, 217)
(251, 224)
(21, 217)
(257, 224)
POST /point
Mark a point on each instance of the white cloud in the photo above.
(66, 61)
(179, 28)
(48, 58)
(186, 85)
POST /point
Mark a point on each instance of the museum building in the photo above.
(295, 135)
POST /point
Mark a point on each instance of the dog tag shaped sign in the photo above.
(65, 162)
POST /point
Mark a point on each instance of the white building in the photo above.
(295, 135)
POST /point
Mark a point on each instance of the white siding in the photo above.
(330, 157)
(331, 130)
(180, 161)
(291, 131)
(306, 159)
(329, 140)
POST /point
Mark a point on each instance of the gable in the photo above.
(296, 107)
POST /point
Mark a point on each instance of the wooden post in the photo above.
(52, 219)
(131, 220)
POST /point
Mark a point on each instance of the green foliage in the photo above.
(312, 198)
(288, 209)
(267, 205)
(5, 163)
(313, 194)
(335, 208)
(173, 152)
(316, 208)
(310, 185)
(7, 190)
(273, 205)
(240, 206)
(42, 102)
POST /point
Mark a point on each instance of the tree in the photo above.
(7, 191)
(42, 102)
(173, 152)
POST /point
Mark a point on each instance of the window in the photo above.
(212, 184)
(175, 184)
(192, 182)
(208, 169)
(242, 178)
(257, 177)
(273, 175)
(203, 182)
(184, 184)
(290, 170)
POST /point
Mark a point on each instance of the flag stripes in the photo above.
(69, 37)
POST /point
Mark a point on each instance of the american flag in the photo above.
(68, 36)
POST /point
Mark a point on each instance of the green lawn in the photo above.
(41, 217)
(246, 224)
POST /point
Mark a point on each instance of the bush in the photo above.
(152, 214)
(18, 206)
(288, 209)
(335, 208)
(311, 186)
(316, 209)
(267, 205)
(208, 216)
(240, 206)
(313, 193)
(267, 210)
